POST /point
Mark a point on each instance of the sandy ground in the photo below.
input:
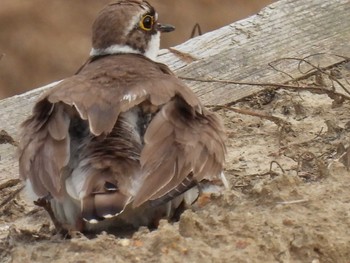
(289, 199)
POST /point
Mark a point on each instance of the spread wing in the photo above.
(98, 94)
(180, 143)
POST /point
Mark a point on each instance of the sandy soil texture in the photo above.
(289, 199)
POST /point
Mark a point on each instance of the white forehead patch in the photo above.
(134, 22)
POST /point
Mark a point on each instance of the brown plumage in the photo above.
(119, 139)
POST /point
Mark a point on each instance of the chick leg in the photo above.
(44, 203)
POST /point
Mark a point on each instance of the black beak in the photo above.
(165, 28)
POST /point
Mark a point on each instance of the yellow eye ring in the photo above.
(146, 22)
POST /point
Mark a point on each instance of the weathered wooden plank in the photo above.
(240, 51)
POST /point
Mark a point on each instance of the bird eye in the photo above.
(146, 23)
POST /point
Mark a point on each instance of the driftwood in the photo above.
(251, 51)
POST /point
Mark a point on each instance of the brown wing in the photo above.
(98, 93)
(44, 148)
(180, 142)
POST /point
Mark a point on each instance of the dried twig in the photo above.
(310, 158)
(186, 57)
(270, 172)
(196, 28)
(301, 60)
(318, 89)
(6, 138)
(9, 183)
(11, 196)
(293, 202)
(313, 68)
(281, 71)
(313, 89)
(280, 166)
(330, 76)
(344, 157)
(318, 134)
(279, 122)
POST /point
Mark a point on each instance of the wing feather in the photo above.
(193, 142)
(100, 96)
(44, 148)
